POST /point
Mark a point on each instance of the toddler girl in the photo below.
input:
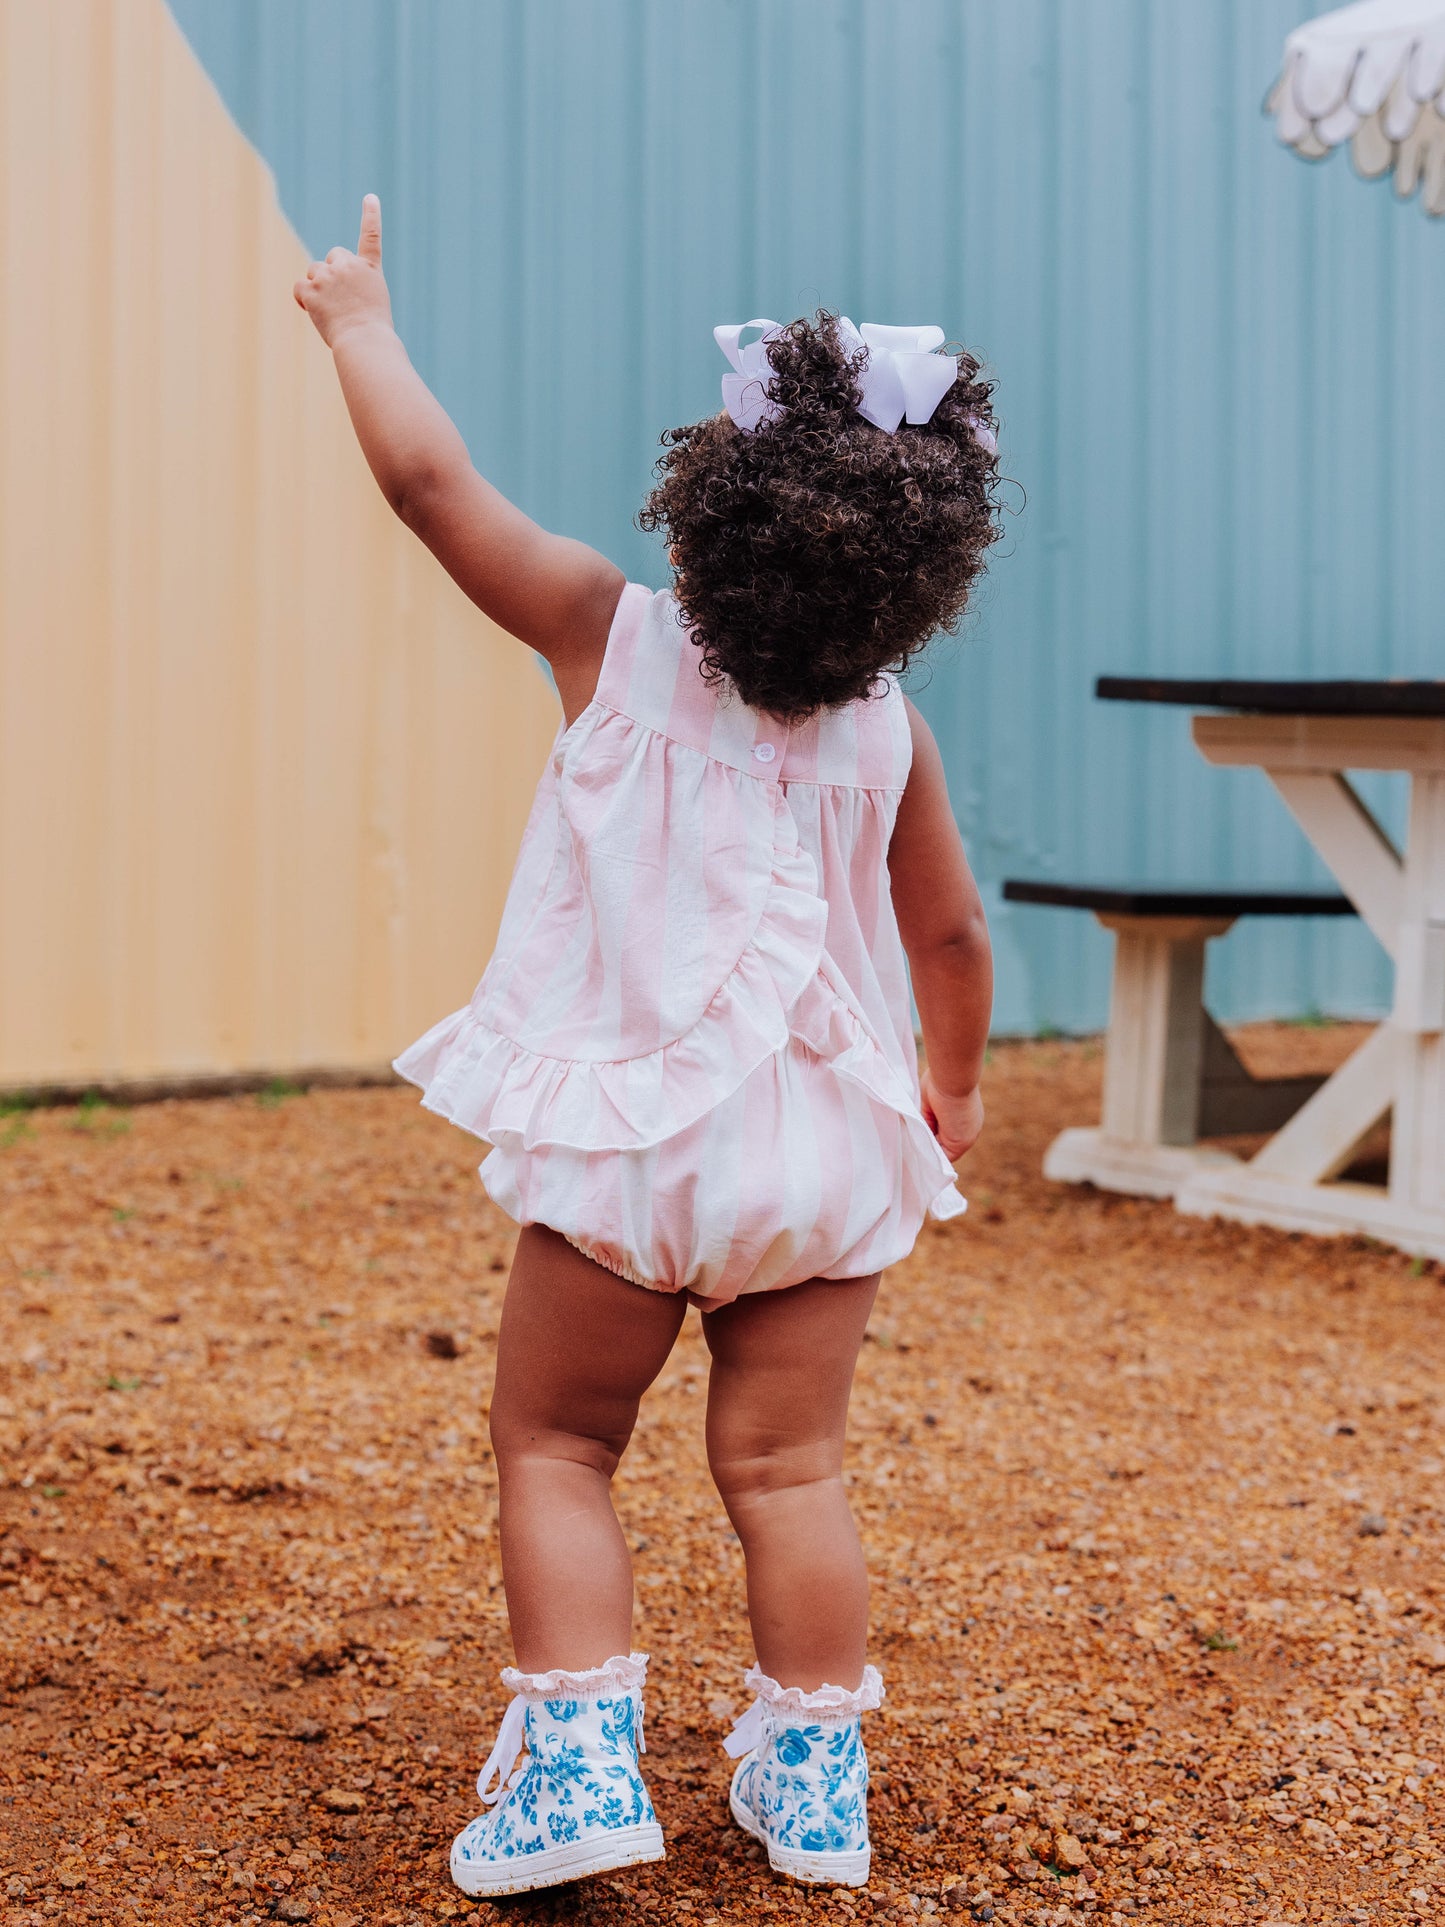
(692, 1052)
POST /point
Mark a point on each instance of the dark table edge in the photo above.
(1277, 698)
(1163, 899)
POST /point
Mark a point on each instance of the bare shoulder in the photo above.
(579, 638)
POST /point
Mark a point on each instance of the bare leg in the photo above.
(782, 1369)
(578, 1347)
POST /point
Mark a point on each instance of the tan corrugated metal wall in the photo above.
(262, 767)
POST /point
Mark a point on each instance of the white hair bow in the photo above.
(903, 376)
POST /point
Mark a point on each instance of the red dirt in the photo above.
(1153, 1505)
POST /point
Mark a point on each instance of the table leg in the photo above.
(1417, 1146)
(1156, 1030)
(1317, 1142)
(1340, 824)
(1153, 1062)
(1399, 1070)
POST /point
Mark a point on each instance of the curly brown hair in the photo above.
(816, 551)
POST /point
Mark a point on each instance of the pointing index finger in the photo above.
(368, 244)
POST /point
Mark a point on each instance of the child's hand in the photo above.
(347, 289)
(954, 1121)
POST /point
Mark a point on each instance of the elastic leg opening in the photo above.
(618, 1267)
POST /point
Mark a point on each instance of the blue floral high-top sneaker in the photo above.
(577, 1805)
(801, 1786)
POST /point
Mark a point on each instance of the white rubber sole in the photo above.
(602, 1853)
(817, 1869)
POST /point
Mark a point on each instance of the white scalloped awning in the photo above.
(1373, 75)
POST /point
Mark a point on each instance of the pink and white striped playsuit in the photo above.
(693, 1050)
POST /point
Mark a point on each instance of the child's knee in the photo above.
(753, 1468)
(517, 1438)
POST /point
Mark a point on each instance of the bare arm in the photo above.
(556, 595)
(941, 921)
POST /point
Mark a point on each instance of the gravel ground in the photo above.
(1154, 1508)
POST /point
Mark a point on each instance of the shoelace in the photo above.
(511, 1737)
(747, 1733)
(503, 1757)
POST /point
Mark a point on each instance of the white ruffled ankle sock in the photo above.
(623, 1673)
(825, 1706)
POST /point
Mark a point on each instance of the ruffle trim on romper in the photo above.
(783, 986)
(827, 1021)
(501, 1091)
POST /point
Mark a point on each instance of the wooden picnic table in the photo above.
(1306, 737)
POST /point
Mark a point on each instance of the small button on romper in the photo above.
(692, 1051)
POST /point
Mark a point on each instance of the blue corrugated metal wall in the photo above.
(1219, 369)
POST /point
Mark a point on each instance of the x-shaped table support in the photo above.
(1400, 1069)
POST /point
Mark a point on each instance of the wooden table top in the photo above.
(1181, 900)
(1269, 698)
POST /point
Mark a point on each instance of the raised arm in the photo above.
(941, 921)
(556, 595)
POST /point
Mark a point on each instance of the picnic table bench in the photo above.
(1171, 1076)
